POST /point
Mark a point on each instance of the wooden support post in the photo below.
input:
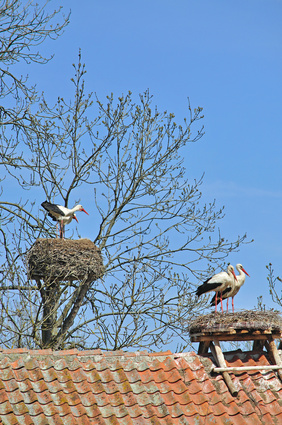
(203, 347)
(272, 350)
(219, 358)
(258, 344)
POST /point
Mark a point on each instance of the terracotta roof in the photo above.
(112, 388)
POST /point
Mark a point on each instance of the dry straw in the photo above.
(248, 319)
(64, 260)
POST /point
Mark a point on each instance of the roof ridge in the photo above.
(76, 352)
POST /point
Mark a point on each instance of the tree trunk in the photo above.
(49, 299)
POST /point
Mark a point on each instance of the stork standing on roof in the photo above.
(234, 288)
(62, 214)
(218, 283)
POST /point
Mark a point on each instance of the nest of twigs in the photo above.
(64, 260)
(248, 319)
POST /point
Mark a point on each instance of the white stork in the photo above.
(218, 283)
(234, 288)
(62, 214)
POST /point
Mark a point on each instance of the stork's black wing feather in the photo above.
(53, 217)
(225, 292)
(206, 287)
(52, 208)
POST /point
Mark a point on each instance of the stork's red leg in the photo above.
(227, 306)
(216, 302)
(233, 304)
(221, 302)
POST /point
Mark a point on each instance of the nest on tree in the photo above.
(247, 319)
(64, 260)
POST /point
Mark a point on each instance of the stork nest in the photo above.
(64, 260)
(247, 319)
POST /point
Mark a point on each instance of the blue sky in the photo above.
(226, 56)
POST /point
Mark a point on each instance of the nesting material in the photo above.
(247, 321)
(64, 260)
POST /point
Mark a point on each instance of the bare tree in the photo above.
(23, 28)
(275, 287)
(155, 233)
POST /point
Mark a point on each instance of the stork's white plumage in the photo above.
(234, 288)
(67, 219)
(218, 283)
(62, 214)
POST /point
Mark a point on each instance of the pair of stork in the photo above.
(227, 284)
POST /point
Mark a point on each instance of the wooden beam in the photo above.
(219, 358)
(272, 350)
(203, 347)
(258, 344)
(245, 368)
(233, 337)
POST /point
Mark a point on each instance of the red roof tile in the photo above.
(91, 387)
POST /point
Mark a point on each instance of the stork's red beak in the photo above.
(245, 272)
(82, 209)
(74, 216)
(234, 275)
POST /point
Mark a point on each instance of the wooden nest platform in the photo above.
(64, 260)
(244, 325)
(261, 327)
